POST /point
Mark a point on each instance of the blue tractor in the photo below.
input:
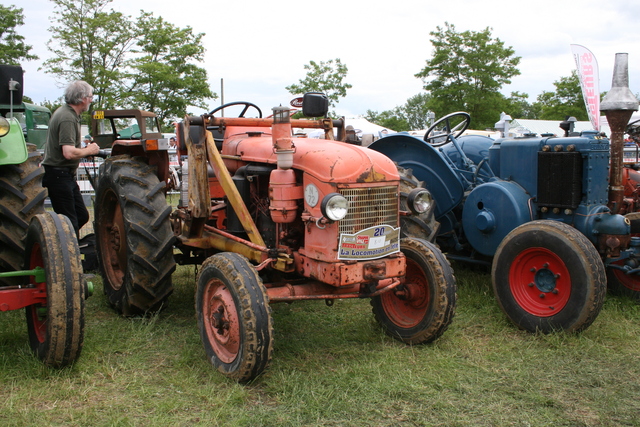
(540, 210)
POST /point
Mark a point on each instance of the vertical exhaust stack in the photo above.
(618, 105)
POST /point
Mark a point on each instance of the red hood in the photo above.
(328, 161)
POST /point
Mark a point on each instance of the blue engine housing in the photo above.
(485, 188)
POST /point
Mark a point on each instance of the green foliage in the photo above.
(325, 77)
(147, 63)
(566, 101)
(89, 43)
(466, 72)
(410, 116)
(12, 45)
(389, 119)
(518, 106)
(165, 79)
(53, 105)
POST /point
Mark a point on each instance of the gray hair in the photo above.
(76, 91)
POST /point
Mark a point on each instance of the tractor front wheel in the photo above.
(547, 276)
(234, 317)
(56, 328)
(420, 310)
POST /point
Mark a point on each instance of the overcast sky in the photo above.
(259, 47)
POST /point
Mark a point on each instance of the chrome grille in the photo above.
(368, 207)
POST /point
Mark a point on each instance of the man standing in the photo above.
(62, 154)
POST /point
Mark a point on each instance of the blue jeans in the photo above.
(65, 195)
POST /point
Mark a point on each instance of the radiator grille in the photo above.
(369, 207)
(559, 179)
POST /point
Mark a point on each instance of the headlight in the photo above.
(420, 201)
(334, 206)
(4, 126)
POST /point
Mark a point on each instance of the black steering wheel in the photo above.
(244, 110)
(454, 124)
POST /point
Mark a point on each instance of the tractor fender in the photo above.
(428, 165)
(491, 211)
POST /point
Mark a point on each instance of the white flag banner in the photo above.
(589, 81)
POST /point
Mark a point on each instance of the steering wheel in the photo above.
(244, 110)
(460, 121)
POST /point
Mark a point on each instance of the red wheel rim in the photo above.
(540, 282)
(220, 319)
(629, 281)
(407, 307)
(39, 312)
(113, 240)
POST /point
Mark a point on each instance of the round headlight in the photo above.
(4, 126)
(420, 201)
(334, 206)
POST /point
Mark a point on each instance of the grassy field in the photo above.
(332, 366)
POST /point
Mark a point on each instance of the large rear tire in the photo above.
(21, 198)
(420, 310)
(56, 328)
(133, 236)
(547, 276)
(234, 317)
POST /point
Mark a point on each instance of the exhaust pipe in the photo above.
(618, 105)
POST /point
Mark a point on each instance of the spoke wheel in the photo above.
(547, 276)
(234, 317)
(56, 328)
(422, 308)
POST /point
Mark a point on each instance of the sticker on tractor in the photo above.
(370, 243)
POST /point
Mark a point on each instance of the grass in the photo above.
(332, 366)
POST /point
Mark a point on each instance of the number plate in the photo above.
(370, 243)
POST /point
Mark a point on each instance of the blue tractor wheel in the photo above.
(547, 276)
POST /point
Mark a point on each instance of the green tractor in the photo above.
(40, 264)
(34, 121)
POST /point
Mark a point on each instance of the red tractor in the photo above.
(271, 216)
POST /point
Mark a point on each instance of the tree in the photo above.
(415, 111)
(326, 77)
(166, 79)
(518, 106)
(466, 73)
(565, 101)
(389, 119)
(12, 45)
(91, 44)
(149, 64)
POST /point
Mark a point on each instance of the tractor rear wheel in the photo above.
(21, 198)
(420, 310)
(547, 276)
(134, 239)
(56, 328)
(234, 317)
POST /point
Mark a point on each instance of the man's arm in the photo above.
(72, 153)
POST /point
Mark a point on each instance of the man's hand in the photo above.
(92, 149)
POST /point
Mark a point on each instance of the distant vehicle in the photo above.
(34, 120)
